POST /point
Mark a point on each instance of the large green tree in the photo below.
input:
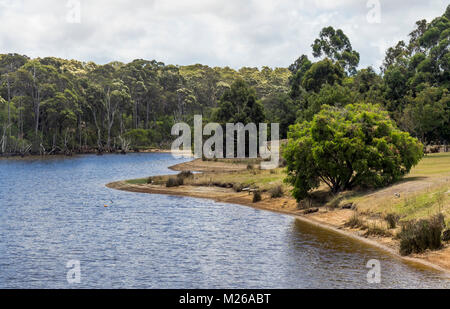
(417, 77)
(358, 145)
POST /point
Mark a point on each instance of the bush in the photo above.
(150, 180)
(276, 192)
(257, 196)
(250, 167)
(185, 174)
(375, 230)
(418, 236)
(392, 220)
(237, 187)
(335, 202)
(354, 222)
(174, 182)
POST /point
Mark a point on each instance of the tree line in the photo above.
(50, 105)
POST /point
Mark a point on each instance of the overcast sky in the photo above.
(232, 33)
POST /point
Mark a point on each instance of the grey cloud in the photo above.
(218, 33)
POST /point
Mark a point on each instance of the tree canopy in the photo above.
(51, 105)
(358, 145)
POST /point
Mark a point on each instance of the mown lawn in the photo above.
(433, 165)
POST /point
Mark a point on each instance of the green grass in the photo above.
(140, 181)
(265, 180)
(430, 181)
(424, 204)
(432, 165)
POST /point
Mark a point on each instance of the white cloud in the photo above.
(213, 32)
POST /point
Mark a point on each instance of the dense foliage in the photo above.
(239, 105)
(358, 145)
(51, 105)
(350, 123)
(413, 84)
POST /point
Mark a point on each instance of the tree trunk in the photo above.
(9, 106)
(99, 133)
(111, 111)
(136, 114)
(146, 119)
(37, 105)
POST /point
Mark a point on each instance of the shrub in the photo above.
(375, 230)
(276, 192)
(250, 167)
(418, 236)
(392, 220)
(257, 196)
(137, 137)
(185, 174)
(335, 202)
(237, 187)
(174, 182)
(354, 222)
(150, 180)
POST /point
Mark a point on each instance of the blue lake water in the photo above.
(52, 211)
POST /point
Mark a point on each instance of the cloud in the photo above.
(232, 33)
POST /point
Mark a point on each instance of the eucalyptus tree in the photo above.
(336, 45)
(134, 76)
(117, 95)
(38, 82)
(9, 63)
(417, 80)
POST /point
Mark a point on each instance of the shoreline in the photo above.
(76, 154)
(282, 206)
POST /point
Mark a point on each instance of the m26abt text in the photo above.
(246, 298)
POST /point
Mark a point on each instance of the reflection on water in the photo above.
(346, 260)
(52, 211)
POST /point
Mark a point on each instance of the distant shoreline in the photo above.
(227, 195)
(75, 154)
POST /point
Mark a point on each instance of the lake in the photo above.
(52, 211)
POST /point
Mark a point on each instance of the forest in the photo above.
(57, 106)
